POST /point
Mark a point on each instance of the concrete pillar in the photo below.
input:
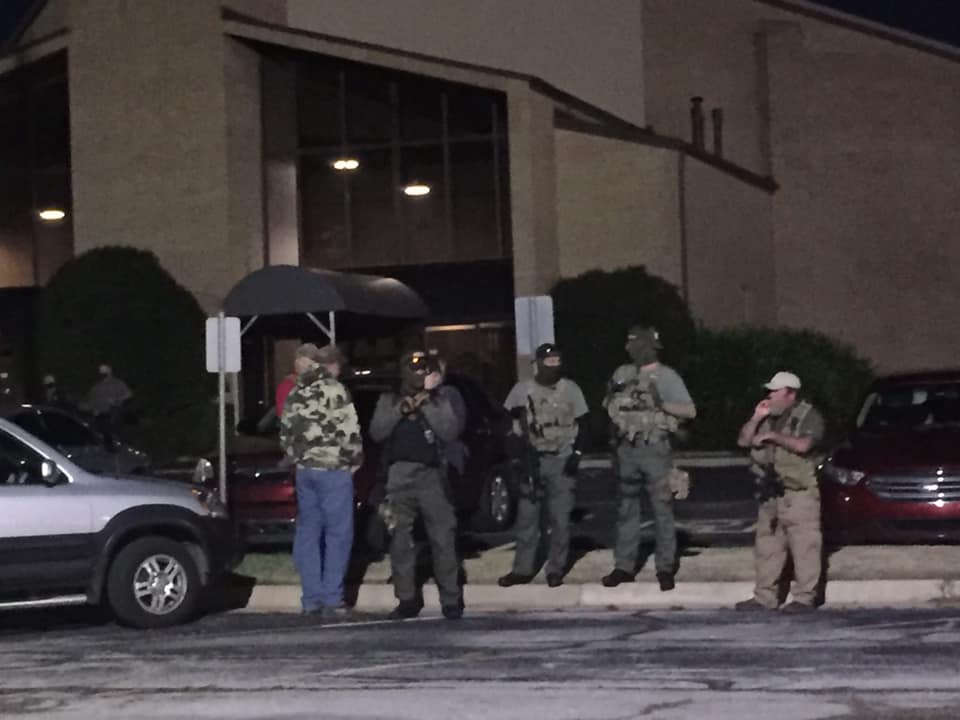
(533, 195)
(149, 110)
(280, 168)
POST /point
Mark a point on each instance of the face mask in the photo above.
(547, 374)
(641, 352)
(411, 381)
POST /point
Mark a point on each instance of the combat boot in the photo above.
(666, 581)
(405, 609)
(512, 578)
(616, 577)
(750, 605)
(797, 608)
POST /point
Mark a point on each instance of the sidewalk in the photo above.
(866, 576)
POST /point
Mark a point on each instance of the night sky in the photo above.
(938, 19)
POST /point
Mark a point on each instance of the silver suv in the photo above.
(144, 546)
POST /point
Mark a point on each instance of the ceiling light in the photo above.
(346, 164)
(416, 189)
(51, 214)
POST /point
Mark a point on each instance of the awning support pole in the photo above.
(323, 328)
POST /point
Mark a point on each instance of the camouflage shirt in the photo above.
(319, 426)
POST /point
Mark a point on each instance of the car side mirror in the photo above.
(49, 473)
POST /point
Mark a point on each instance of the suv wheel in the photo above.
(497, 502)
(153, 582)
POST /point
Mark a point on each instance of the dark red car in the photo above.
(897, 477)
(262, 497)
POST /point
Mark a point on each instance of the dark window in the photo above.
(64, 431)
(19, 465)
(400, 129)
(30, 422)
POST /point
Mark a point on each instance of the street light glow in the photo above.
(346, 164)
(416, 189)
(51, 214)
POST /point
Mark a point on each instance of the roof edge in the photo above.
(872, 28)
(644, 136)
(536, 83)
(25, 22)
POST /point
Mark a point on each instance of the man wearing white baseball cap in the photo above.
(783, 435)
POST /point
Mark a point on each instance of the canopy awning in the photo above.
(297, 290)
(293, 289)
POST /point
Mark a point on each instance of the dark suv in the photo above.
(897, 477)
(262, 497)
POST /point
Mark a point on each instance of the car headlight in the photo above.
(210, 502)
(840, 474)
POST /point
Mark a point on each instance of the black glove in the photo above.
(572, 465)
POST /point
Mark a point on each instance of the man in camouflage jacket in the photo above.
(320, 432)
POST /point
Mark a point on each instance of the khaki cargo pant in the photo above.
(790, 523)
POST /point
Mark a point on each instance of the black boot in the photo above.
(616, 577)
(512, 578)
(554, 580)
(452, 612)
(666, 581)
(405, 609)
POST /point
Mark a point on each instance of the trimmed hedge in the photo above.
(592, 313)
(730, 366)
(117, 305)
(724, 369)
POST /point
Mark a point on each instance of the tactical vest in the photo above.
(553, 427)
(413, 440)
(633, 408)
(797, 472)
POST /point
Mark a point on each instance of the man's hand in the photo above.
(412, 403)
(763, 437)
(432, 381)
(572, 466)
(762, 409)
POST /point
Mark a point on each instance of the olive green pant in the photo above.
(557, 501)
(790, 523)
(644, 469)
(414, 489)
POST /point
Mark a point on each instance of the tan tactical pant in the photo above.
(790, 523)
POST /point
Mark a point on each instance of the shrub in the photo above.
(592, 313)
(117, 305)
(729, 368)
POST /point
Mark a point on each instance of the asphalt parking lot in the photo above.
(875, 664)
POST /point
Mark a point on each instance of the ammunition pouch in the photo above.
(768, 484)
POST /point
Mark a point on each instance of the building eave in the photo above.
(40, 48)
(643, 136)
(866, 27)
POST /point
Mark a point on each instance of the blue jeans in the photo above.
(324, 535)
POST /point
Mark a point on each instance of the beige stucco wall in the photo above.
(620, 203)
(617, 205)
(729, 244)
(863, 136)
(557, 40)
(705, 48)
(866, 221)
(150, 143)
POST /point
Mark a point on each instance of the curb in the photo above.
(639, 595)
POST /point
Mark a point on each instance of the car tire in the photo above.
(153, 582)
(497, 507)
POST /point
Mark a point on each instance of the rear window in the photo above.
(911, 407)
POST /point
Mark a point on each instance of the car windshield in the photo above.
(911, 407)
